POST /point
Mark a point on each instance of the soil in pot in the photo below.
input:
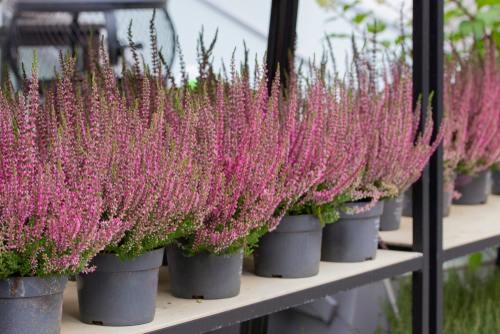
(120, 293)
(495, 182)
(408, 206)
(292, 250)
(474, 190)
(352, 238)
(391, 216)
(31, 305)
(204, 275)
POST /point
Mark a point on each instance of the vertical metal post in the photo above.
(420, 318)
(281, 38)
(436, 34)
(255, 326)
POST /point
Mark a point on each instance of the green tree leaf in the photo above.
(360, 17)
(379, 27)
(482, 3)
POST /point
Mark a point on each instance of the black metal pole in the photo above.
(281, 40)
(436, 34)
(420, 304)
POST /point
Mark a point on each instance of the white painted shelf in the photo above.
(466, 224)
(173, 312)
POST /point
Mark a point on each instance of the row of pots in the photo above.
(473, 190)
(124, 293)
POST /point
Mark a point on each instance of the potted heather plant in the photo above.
(457, 95)
(50, 211)
(481, 145)
(323, 158)
(239, 129)
(152, 185)
(395, 158)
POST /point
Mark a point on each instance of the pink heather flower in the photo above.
(50, 200)
(395, 154)
(147, 173)
(480, 78)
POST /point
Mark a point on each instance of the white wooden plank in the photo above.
(466, 224)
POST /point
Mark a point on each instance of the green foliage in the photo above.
(462, 21)
(471, 304)
(475, 261)
(19, 263)
(376, 27)
(129, 248)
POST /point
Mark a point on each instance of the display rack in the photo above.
(259, 296)
(420, 239)
(468, 229)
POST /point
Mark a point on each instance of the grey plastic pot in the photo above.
(352, 238)
(474, 190)
(495, 182)
(204, 275)
(31, 305)
(120, 293)
(292, 250)
(391, 216)
(408, 206)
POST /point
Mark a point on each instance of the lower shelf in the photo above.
(259, 296)
(468, 229)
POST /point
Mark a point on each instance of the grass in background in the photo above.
(471, 303)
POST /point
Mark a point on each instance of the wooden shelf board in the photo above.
(466, 224)
(171, 311)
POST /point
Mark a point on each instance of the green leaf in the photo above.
(467, 28)
(482, 3)
(475, 261)
(387, 44)
(496, 37)
(360, 17)
(371, 27)
(339, 35)
(346, 7)
(402, 38)
(490, 16)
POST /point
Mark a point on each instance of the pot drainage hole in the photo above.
(368, 259)
(99, 323)
(198, 297)
(277, 276)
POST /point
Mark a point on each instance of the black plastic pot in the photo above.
(352, 238)
(408, 206)
(292, 250)
(495, 182)
(204, 275)
(474, 190)
(391, 216)
(118, 293)
(31, 305)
